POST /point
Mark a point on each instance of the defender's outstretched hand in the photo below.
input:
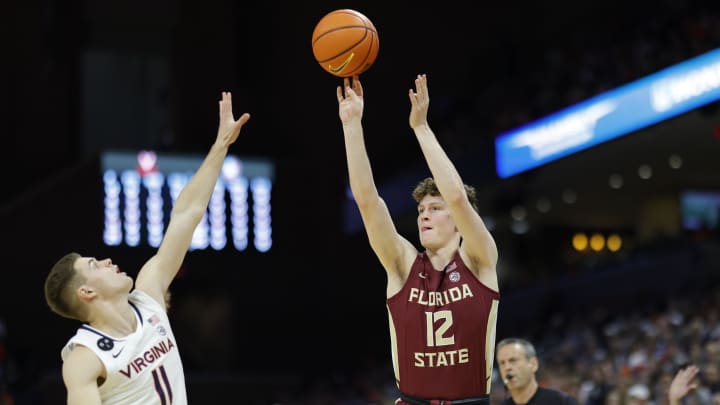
(350, 104)
(229, 128)
(420, 101)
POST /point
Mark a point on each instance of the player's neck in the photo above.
(441, 257)
(524, 394)
(114, 318)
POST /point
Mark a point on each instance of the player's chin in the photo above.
(427, 242)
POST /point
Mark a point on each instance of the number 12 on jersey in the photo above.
(435, 335)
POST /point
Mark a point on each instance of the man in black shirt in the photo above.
(518, 364)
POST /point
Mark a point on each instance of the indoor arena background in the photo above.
(304, 321)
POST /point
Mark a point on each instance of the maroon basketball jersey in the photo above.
(442, 332)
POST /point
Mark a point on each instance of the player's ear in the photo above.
(85, 293)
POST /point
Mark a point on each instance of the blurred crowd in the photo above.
(530, 83)
(631, 357)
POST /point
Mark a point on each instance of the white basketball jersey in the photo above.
(143, 368)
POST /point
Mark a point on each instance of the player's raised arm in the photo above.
(190, 207)
(394, 252)
(478, 244)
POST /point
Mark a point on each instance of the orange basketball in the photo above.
(345, 43)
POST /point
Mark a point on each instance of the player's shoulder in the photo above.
(81, 339)
(78, 354)
(81, 365)
(143, 299)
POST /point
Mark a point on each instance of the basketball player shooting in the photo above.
(442, 301)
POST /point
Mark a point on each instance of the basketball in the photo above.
(345, 43)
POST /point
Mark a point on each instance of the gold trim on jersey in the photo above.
(393, 346)
(490, 343)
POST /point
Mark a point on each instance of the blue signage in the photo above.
(654, 98)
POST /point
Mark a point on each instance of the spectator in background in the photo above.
(518, 364)
(682, 384)
(614, 397)
(638, 394)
